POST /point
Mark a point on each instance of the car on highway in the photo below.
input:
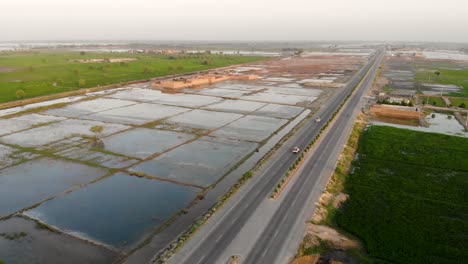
(295, 150)
(317, 119)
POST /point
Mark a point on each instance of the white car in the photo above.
(295, 150)
(317, 120)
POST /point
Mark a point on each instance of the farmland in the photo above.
(31, 74)
(459, 102)
(433, 100)
(455, 77)
(407, 196)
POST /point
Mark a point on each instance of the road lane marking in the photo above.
(234, 219)
(276, 233)
(294, 202)
(201, 259)
(219, 237)
(265, 251)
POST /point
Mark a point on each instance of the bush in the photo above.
(20, 94)
(462, 105)
(81, 83)
(146, 70)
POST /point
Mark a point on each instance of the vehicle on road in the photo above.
(295, 150)
(317, 119)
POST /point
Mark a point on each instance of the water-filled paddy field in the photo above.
(58, 171)
(109, 169)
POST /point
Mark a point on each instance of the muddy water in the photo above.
(116, 211)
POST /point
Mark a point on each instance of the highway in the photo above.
(266, 249)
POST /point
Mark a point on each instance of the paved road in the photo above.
(218, 239)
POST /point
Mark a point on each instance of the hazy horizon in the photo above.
(242, 20)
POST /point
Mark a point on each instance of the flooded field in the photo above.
(250, 128)
(136, 114)
(204, 119)
(187, 165)
(106, 169)
(409, 75)
(39, 245)
(438, 123)
(8, 126)
(117, 220)
(143, 142)
(34, 181)
(88, 107)
(47, 134)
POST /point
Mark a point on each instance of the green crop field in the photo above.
(458, 102)
(435, 101)
(43, 73)
(456, 77)
(408, 196)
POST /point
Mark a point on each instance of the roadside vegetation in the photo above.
(407, 198)
(328, 207)
(30, 74)
(456, 77)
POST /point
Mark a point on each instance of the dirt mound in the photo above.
(339, 200)
(312, 259)
(330, 236)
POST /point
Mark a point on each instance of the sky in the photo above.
(242, 20)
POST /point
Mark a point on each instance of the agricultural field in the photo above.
(449, 77)
(408, 201)
(459, 102)
(433, 100)
(31, 74)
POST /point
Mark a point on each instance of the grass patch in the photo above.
(408, 196)
(432, 100)
(44, 73)
(459, 102)
(13, 236)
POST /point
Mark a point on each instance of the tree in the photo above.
(146, 70)
(433, 116)
(20, 94)
(97, 142)
(82, 53)
(437, 73)
(81, 83)
(462, 105)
